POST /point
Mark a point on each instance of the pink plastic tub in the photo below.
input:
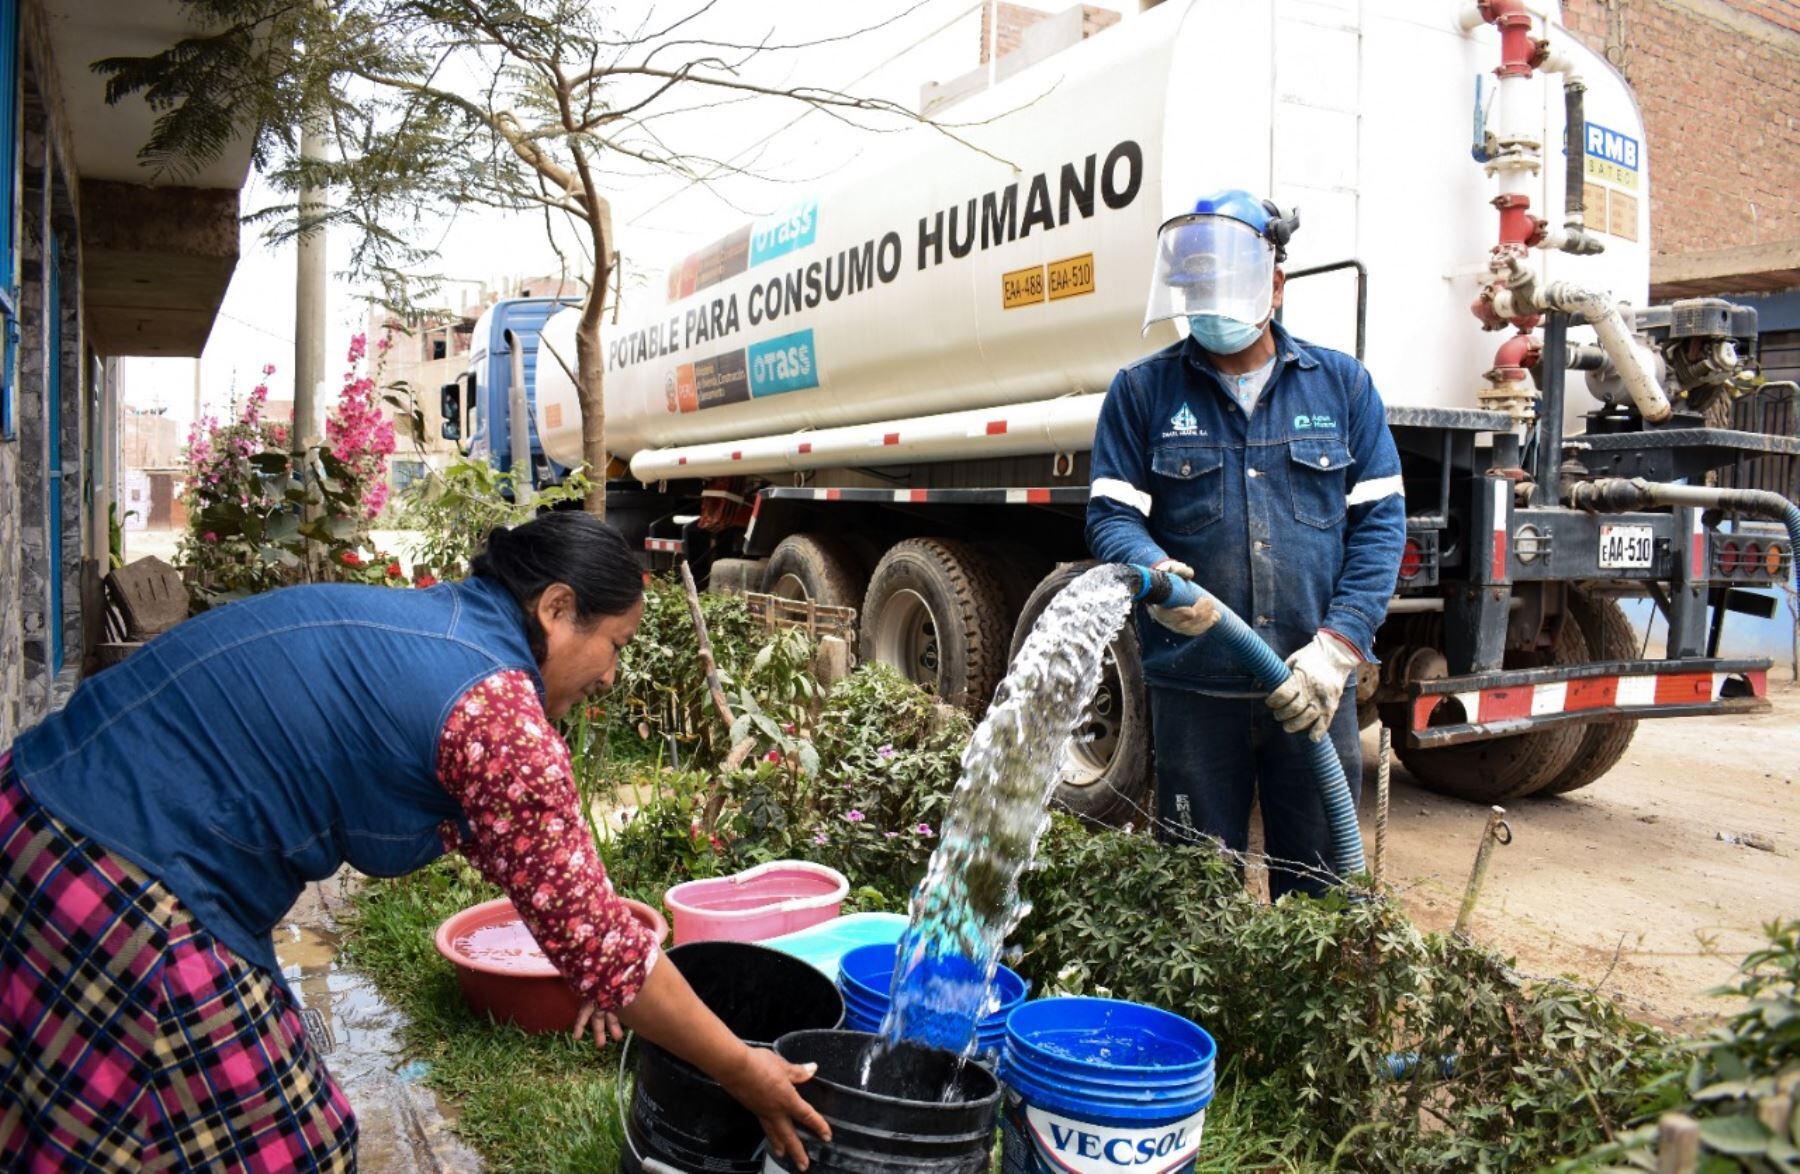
(762, 902)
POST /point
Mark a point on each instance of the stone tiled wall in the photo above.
(28, 686)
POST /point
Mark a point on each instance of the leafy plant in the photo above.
(260, 517)
(1741, 1081)
(455, 508)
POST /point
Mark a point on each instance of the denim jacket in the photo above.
(1294, 517)
(262, 744)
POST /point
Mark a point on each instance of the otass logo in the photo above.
(784, 232)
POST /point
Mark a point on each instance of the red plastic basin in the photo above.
(502, 972)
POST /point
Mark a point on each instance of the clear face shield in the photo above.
(1211, 265)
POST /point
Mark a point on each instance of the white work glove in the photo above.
(1309, 698)
(1188, 621)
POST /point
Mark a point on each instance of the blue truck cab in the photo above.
(477, 407)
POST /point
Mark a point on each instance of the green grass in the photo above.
(524, 1102)
(547, 1103)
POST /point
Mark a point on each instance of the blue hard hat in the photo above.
(1262, 216)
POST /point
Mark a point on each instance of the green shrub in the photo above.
(1741, 1081)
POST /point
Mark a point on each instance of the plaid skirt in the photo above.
(129, 1037)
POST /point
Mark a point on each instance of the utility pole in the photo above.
(311, 271)
(196, 390)
(311, 275)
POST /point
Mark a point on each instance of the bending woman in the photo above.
(155, 831)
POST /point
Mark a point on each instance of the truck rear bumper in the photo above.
(1452, 710)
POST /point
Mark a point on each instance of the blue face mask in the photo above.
(1221, 335)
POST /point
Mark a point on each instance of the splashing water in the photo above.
(969, 901)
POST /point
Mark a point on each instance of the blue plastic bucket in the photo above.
(866, 980)
(1103, 1085)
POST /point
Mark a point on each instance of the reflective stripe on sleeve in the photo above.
(1374, 489)
(1126, 492)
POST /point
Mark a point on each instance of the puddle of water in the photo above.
(402, 1126)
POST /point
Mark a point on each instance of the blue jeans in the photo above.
(1217, 755)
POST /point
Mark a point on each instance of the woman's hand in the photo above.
(604, 1023)
(764, 1083)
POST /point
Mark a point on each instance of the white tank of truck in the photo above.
(1004, 260)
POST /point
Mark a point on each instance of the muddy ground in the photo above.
(1625, 883)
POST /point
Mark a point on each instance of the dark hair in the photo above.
(563, 546)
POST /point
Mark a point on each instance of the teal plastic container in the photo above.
(825, 944)
(1098, 1085)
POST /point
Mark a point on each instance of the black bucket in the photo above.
(679, 1116)
(923, 1110)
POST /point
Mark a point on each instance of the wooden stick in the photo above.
(1497, 831)
(706, 653)
(1677, 1144)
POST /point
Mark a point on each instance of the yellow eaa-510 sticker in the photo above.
(1071, 277)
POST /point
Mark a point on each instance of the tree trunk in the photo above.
(590, 361)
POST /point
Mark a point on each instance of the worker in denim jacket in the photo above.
(1263, 468)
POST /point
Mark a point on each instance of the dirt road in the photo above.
(1625, 882)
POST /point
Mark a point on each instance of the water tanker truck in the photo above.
(883, 397)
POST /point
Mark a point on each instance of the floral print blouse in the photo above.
(502, 759)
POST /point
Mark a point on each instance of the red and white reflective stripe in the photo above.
(663, 545)
(1027, 497)
(1640, 691)
(755, 510)
(1697, 550)
(1502, 494)
(912, 495)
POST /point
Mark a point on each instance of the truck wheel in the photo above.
(1107, 772)
(1609, 636)
(816, 567)
(1497, 769)
(936, 613)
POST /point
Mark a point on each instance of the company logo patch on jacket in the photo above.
(1183, 423)
(1306, 422)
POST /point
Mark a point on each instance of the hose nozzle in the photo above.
(1161, 589)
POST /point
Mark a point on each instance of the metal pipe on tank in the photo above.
(1049, 426)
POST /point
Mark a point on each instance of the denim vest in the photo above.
(1293, 516)
(263, 744)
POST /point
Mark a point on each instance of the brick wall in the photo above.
(1719, 84)
(1015, 19)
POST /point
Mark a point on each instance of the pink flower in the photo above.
(856, 817)
(209, 536)
(890, 835)
(923, 829)
(772, 756)
(884, 752)
(818, 837)
(268, 369)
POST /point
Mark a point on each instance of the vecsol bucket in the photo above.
(919, 1111)
(1102, 1085)
(681, 1117)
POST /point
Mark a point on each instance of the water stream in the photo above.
(969, 902)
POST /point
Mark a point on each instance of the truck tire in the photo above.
(1496, 769)
(1108, 773)
(1609, 636)
(735, 576)
(935, 612)
(818, 567)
